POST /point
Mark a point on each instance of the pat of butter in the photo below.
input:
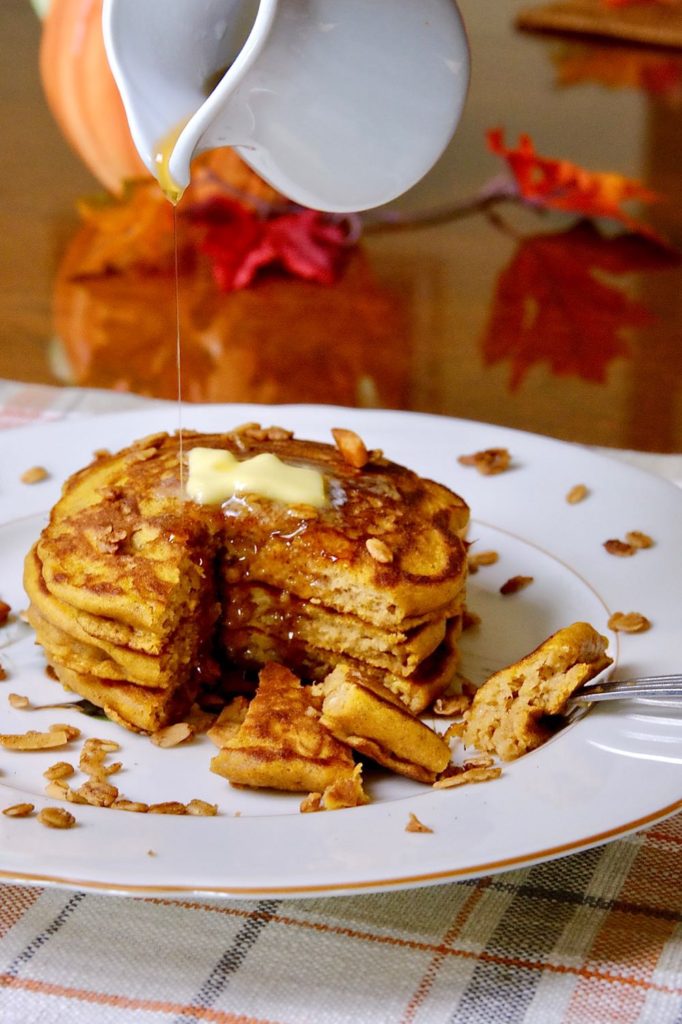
(215, 475)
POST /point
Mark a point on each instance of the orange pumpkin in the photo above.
(82, 94)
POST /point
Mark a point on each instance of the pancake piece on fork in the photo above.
(511, 711)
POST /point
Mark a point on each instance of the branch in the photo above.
(499, 189)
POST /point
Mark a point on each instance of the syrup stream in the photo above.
(178, 350)
(173, 192)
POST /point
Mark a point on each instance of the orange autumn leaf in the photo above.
(563, 185)
(620, 67)
(554, 303)
(135, 230)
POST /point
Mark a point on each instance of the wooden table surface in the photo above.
(522, 319)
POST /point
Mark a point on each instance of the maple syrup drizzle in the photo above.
(173, 192)
(178, 351)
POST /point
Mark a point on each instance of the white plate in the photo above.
(614, 771)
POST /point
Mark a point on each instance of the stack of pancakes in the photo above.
(139, 597)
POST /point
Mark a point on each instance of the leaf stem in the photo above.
(497, 190)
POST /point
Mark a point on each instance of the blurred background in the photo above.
(527, 318)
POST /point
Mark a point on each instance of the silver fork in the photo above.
(668, 688)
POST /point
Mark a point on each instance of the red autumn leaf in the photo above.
(553, 305)
(663, 78)
(239, 243)
(304, 244)
(228, 232)
(562, 185)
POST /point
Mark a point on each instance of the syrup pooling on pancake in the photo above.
(135, 592)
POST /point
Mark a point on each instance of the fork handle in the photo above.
(650, 686)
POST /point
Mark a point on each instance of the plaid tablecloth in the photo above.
(588, 939)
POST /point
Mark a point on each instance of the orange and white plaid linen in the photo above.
(594, 938)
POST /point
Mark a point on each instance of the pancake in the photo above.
(509, 714)
(379, 730)
(280, 614)
(75, 634)
(137, 708)
(251, 648)
(133, 586)
(281, 743)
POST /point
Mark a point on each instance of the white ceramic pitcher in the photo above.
(340, 104)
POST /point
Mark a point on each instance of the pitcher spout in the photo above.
(177, 66)
(342, 105)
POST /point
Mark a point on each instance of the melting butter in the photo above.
(216, 475)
